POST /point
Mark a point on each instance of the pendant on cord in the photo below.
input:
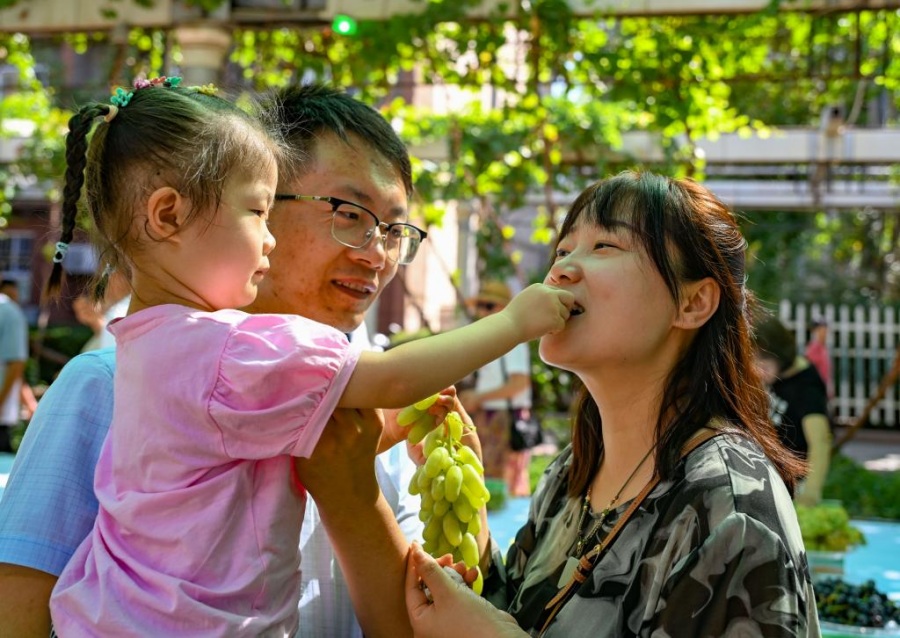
(568, 571)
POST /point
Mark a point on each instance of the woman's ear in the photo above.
(166, 214)
(699, 301)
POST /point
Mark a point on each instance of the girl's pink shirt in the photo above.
(199, 522)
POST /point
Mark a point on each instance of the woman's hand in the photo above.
(456, 609)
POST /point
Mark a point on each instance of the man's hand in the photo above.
(448, 402)
(394, 433)
(368, 543)
(342, 464)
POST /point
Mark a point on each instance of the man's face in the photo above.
(311, 273)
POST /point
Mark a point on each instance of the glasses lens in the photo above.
(352, 226)
(402, 243)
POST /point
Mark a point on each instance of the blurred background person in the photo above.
(90, 314)
(116, 298)
(13, 356)
(798, 404)
(817, 353)
(500, 396)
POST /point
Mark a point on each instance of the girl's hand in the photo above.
(456, 609)
(538, 310)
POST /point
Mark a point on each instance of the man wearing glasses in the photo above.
(354, 226)
(342, 230)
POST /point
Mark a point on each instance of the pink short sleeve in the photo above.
(280, 378)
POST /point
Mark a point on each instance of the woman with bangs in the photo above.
(670, 513)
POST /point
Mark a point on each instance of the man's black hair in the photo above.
(300, 114)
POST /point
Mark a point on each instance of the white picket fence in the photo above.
(863, 342)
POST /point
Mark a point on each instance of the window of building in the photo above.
(15, 260)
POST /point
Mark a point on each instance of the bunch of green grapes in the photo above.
(450, 485)
(827, 528)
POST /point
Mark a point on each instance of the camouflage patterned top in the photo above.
(716, 551)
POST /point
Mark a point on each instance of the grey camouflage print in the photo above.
(716, 551)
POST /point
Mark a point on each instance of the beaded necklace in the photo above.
(575, 557)
(586, 506)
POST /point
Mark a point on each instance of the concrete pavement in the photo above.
(877, 450)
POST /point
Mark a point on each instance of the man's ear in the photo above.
(699, 301)
(166, 214)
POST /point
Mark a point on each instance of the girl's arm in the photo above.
(412, 371)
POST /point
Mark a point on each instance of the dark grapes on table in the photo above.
(863, 605)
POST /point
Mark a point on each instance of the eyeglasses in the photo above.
(354, 226)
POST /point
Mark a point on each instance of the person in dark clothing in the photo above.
(799, 404)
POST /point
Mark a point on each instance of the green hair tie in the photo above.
(121, 97)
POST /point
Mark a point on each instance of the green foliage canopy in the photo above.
(561, 90)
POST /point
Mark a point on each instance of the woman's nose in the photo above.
(564, 269)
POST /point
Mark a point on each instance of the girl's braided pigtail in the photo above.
(76, 160)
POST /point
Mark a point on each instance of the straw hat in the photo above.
(492, 291)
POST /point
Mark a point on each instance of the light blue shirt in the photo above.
(49, 507)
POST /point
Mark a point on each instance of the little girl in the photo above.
(198, 527)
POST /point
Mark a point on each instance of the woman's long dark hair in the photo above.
(689, 235)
